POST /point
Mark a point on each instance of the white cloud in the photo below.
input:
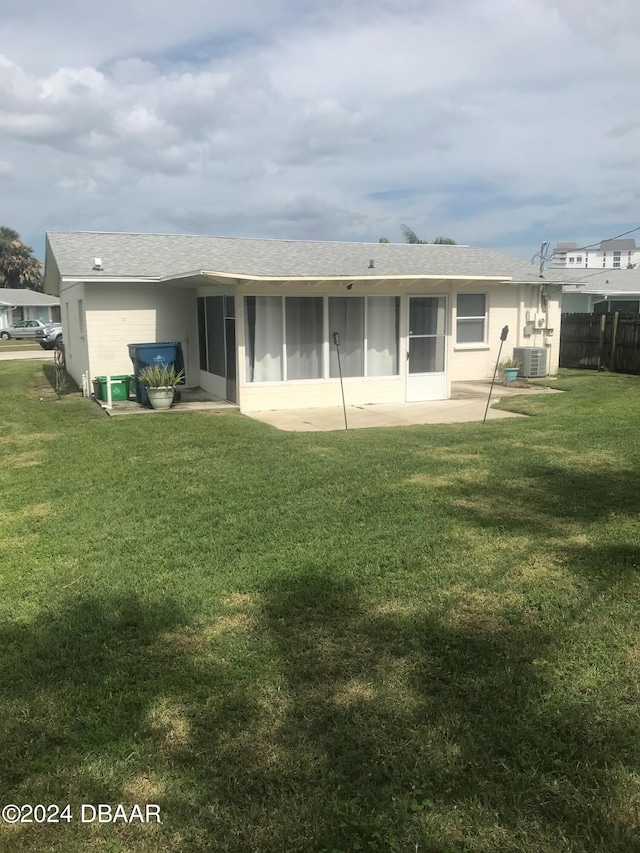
(494, 122)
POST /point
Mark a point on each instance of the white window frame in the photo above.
(470, 345)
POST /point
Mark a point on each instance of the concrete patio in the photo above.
(193, 400)
(467, 404)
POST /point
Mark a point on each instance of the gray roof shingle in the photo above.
(604, 281)
(162, 256)
(23, 296)
(618, 245)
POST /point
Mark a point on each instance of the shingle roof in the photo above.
(23, 296)
(162, 256)
(619, 245)
(604, 281)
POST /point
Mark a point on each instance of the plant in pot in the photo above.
(160, 382)
(509, 368)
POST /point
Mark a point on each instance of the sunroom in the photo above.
(288, 346)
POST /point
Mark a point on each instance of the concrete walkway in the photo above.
(467, 404)
(26, 354)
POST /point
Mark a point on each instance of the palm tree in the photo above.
(410, 236)
(18, 267)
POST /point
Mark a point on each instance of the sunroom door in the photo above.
(427, 347)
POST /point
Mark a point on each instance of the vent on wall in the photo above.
(533, 361)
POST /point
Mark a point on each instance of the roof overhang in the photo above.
(76, 279)
(195, 277)
(612, 294)
(244, 278)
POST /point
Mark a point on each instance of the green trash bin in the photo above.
(119, 388)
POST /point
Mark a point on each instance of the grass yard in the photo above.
(410, 639)
(13, 345)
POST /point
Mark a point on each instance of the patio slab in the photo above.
(466, 405)
(193, 400)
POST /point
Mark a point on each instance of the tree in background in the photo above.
(410, 236)
(18, 266)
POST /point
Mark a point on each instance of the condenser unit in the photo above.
(533, 361)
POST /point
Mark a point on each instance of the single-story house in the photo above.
(601, 292)
(257, 318)
(17, 304)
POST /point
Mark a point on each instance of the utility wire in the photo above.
(544, 256)
(606, 240)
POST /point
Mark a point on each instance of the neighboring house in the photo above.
(18, 304)
(618, 254)
(601, 292)
(256, 318)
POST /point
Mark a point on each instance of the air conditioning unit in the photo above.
(533, 361)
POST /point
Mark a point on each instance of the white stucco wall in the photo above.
(72, 303)
(120, 314)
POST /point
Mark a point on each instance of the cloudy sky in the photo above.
(500, 123)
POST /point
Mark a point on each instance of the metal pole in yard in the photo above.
(336, 340)
(503, 338)
(614, 335)
(603, 328)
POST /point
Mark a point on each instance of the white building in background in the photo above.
(18, 304)
(611, 254)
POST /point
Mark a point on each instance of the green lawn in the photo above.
(410, 639)
(12, 345)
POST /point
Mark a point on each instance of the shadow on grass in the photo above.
(545, 499)
(321, 723)
(428, 734)
(49, 373)
(99, 702)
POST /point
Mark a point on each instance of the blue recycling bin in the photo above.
(147, 355)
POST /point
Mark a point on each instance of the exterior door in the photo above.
(426, 349)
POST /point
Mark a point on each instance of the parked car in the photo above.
(46, 334)
(50, 336)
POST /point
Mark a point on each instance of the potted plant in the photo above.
(160, 382)
(509, 368)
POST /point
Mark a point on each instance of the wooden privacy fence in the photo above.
(601, 342)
